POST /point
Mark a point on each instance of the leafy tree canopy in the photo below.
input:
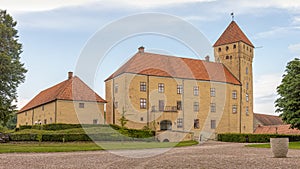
(288, 104)
(12, 71)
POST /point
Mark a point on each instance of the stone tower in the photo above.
(235, 51)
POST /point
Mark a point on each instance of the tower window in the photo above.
(234, 46)
(227, 57)
(212, 107)
(81, 105)
(247, 111)
(116, 88)
(247, 97)
(196, 90)
(234, 94)
(227, 48)
(212, 92)
(250, 50)
(219, 49)
(246, 70)
(247, 47)
(234, 109)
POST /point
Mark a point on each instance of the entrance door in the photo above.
(166, 125)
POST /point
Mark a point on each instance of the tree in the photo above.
(288, 104)
(12, 71)
(123, 119)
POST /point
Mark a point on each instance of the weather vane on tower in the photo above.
(232, 15)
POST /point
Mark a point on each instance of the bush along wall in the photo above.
(254, 138)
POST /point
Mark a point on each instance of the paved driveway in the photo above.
(209, 155)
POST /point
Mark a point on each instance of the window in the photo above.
(116, 104)
(143, 86)
(227, 48)
(116, 88)
(143, 103)
(227, 57)
(179, 122)
(234, 46)
(50, 120)
(212, 92)
(179, 105)
(43, 108)
(212, 107)
(25, 113)
(196, 124)
(196, 106)
(246, 70)
(219, 49)
(95, 121)
(161, 87)
(230, 57)
(234, 94)
(247, 111)
(81, 105)
(247, 97)
(234, 109)
(179, 89)
(45, 121)
(247, 85)
(161, 105)
(213, 124)
(142, 118)
(196, 91)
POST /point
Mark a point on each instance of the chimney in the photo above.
(141, 49)
(207, 58)
(70, 75)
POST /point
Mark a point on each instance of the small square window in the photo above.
(161, 87)
(179, 89)
(81, 105)
(143, 86)
(95, 121)
(247, 97)
(219, 49)
(142, 118)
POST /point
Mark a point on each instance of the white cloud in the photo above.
(277, 32)
(295, 48)
(265, 92)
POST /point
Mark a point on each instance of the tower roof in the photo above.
(232, 33)
(73, 89)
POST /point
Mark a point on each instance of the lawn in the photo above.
(85, 146)
(292, 145)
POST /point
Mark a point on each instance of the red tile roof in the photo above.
(232, 33)
(169, 66)
(268, 120)
(71, 89)
(279, 129)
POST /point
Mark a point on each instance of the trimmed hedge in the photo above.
(254, 138)
(75, 137)
(60, 126)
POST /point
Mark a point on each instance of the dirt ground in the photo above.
(208, 155)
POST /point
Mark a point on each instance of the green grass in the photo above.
(85, 146)
(292, 145)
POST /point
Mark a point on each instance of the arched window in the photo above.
(219, 49)
(234, 46)
(227, 57)
(227, 48)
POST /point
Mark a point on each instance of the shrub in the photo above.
(254, 138)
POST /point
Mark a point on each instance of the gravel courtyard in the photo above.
(208, 155)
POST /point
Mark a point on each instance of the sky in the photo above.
(56, 33)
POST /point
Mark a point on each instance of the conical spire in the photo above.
(232, 33)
